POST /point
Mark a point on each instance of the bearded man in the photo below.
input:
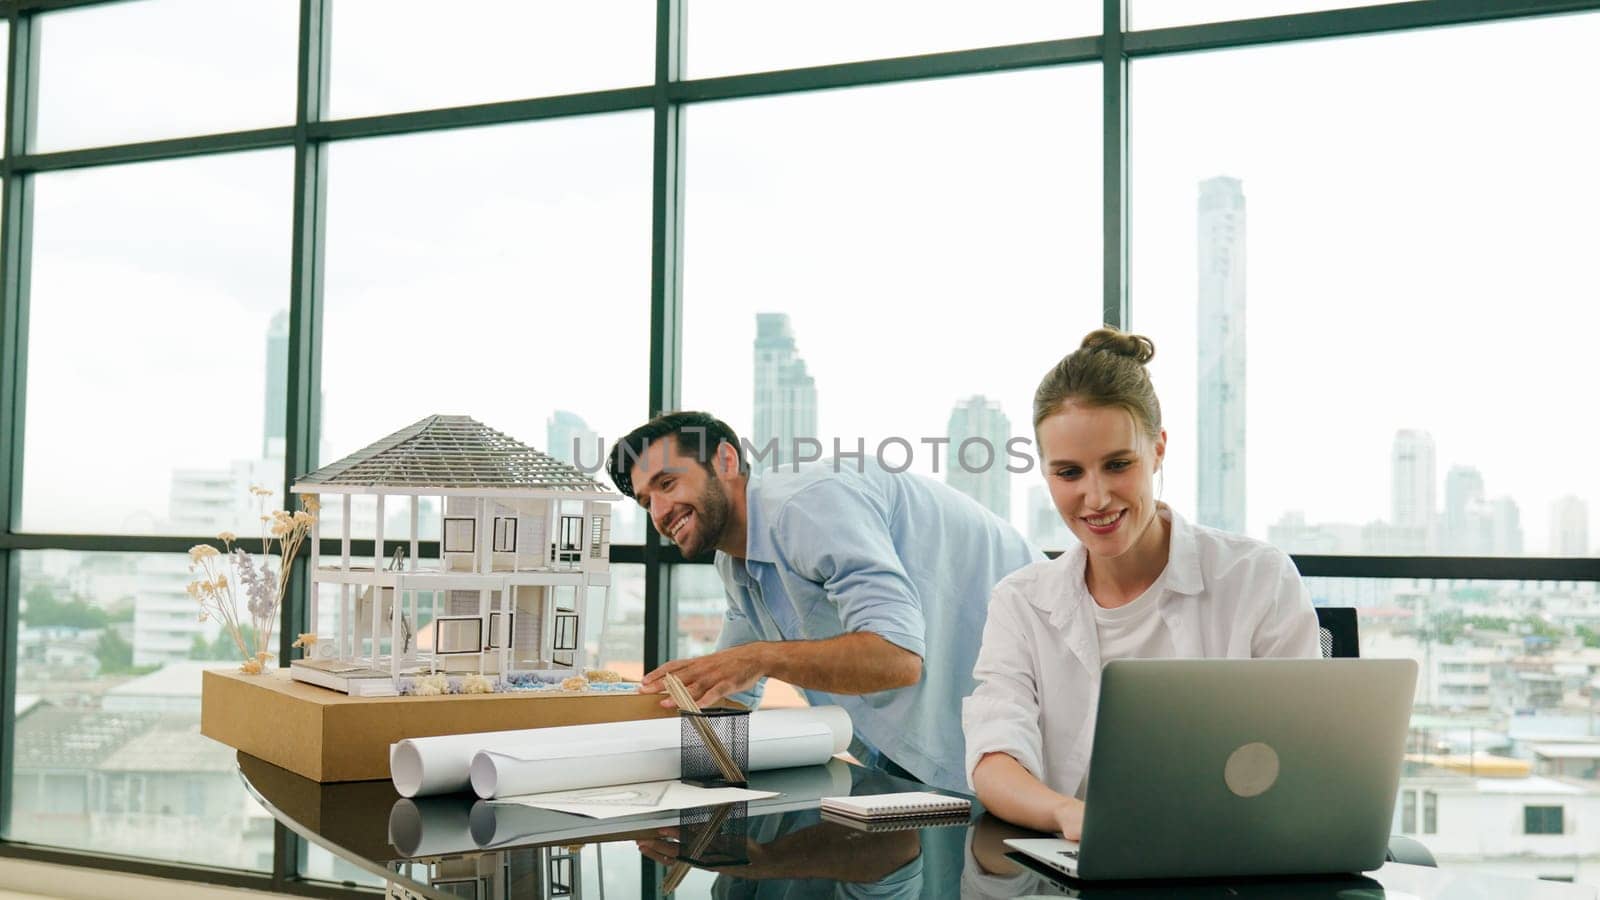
(863, 587)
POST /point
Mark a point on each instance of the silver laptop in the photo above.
(1218, 767)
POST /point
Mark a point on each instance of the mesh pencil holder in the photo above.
(711, 836)
(697, 764)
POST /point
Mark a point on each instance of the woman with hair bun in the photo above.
(1142, 583)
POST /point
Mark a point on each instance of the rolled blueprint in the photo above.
(579, 756)
(498, 823)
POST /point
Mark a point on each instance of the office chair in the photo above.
(1337, 632)
(1337, 627)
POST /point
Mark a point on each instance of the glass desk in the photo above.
(448, 848)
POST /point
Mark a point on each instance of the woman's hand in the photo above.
(1011, 792)
(1069, 819)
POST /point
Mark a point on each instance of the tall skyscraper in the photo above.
(785, 394)
(1467, 527)
(570, 439)
(1569, 527)
(981, 472)
(1506, 526)
(274, 428)
(1221, 353)
(1411, 491)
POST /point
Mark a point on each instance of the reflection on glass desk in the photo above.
(446, 848)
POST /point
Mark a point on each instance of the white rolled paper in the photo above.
(578, 756)
(583, 756)
(441, 765)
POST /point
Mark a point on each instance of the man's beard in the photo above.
(711, 514)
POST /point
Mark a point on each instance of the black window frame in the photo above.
(666, 97)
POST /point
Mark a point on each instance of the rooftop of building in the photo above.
(445, 453)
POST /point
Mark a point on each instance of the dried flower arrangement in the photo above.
(263, 588)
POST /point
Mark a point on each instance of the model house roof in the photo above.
(452, 454)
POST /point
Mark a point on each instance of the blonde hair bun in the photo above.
(1136, 347)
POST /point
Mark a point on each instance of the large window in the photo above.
(502, 273)
(109, 757)
(840, 287)
(230, 257)
(395, 55)
(156, 345)
(1342, 252)
(123, 72)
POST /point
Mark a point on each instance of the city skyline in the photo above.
(1468, 521)
(1426, 514)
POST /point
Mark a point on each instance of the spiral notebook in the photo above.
(901, 823)
(909, 804)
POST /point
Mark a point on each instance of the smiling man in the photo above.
(865, 588)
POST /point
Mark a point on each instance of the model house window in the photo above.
(505, 534)
(460, 535)
(1430, 812)
(566, 633)
(494, 629)
(1542, 820)
(462, 634)
(572, 534)
(1408, 812)
(596, 532)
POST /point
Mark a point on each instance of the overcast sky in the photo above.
(1422, 218)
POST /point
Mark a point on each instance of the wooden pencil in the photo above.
(719, 752)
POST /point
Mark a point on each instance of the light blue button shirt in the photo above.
(900, 555)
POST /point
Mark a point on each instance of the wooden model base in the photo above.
(328, 736)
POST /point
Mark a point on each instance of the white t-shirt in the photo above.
(1134, 630)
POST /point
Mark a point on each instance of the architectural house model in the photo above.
(523, 539)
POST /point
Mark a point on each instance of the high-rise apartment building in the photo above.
(1412, 504)
(785, 393)
(1220, 431)
(1569, 527)
(976, 454)
(1467, 527)
(274, 427)
(1506, 526)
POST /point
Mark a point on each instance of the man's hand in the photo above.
(710, 679)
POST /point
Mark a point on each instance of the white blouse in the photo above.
(1038, 671)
